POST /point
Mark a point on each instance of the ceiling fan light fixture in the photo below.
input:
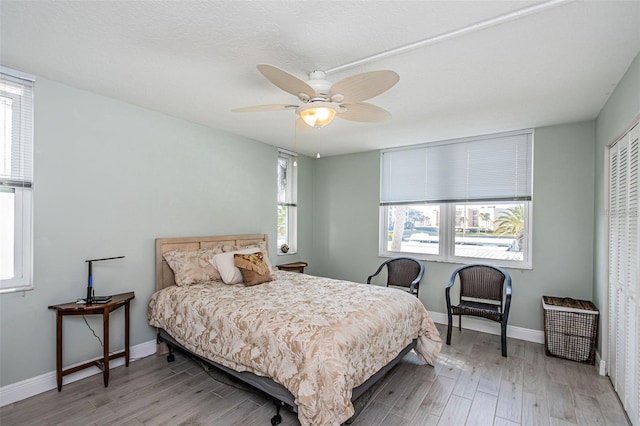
(317, 114)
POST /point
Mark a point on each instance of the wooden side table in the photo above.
(103, 309)
(294, 267)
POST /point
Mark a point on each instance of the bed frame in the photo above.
(281, 395)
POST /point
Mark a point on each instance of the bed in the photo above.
(314, 344)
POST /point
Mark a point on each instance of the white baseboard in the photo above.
(492, 327)
(601, 364)
(36, 385)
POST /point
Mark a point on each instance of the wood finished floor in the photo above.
(471, 384)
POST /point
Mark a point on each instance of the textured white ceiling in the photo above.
(196, 60)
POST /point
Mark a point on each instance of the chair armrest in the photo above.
(507, 301)
(452, 281)
(376, 273)
(420, 274)
(447, 293)
(454, 274)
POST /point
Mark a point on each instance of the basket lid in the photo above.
(568, 304)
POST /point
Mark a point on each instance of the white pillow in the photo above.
(223, 262)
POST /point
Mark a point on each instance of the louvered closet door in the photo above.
(624, 271)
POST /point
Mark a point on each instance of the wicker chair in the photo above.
(403, 272)
(482, 294)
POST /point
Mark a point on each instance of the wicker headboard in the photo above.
(164, 274)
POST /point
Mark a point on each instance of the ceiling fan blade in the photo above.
(285, 81)
(261, 108)
(361, 87)
(364, 112)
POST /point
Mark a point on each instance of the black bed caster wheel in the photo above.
(171, 358)
(276, 420)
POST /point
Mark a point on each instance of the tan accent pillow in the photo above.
(193, 266)
(253, 268)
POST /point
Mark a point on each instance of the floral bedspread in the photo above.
(318, 337)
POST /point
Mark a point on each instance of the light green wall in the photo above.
(347, 217)
(109, 179)
(614, 118)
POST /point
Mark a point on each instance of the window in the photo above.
(16, 179)
(287, 199)
(465, 200)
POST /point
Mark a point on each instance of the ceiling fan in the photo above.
(322, 100)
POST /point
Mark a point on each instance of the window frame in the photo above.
(446, 240)
(20, 182)
(289, 203)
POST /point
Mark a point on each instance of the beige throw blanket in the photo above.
(318, 337)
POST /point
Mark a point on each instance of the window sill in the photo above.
(496, 262)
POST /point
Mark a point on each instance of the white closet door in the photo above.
(624, 274)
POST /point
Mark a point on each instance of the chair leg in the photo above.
(459, 322)
(504, 339)
(449, 325)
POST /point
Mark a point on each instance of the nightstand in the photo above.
(104, 309)
(294, 267)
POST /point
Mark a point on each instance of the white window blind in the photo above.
(16, 120)
(493, 168)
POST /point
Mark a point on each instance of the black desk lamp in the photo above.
(90, 279)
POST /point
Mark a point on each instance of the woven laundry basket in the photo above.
(570, 328)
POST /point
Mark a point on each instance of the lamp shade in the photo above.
(317, 114)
